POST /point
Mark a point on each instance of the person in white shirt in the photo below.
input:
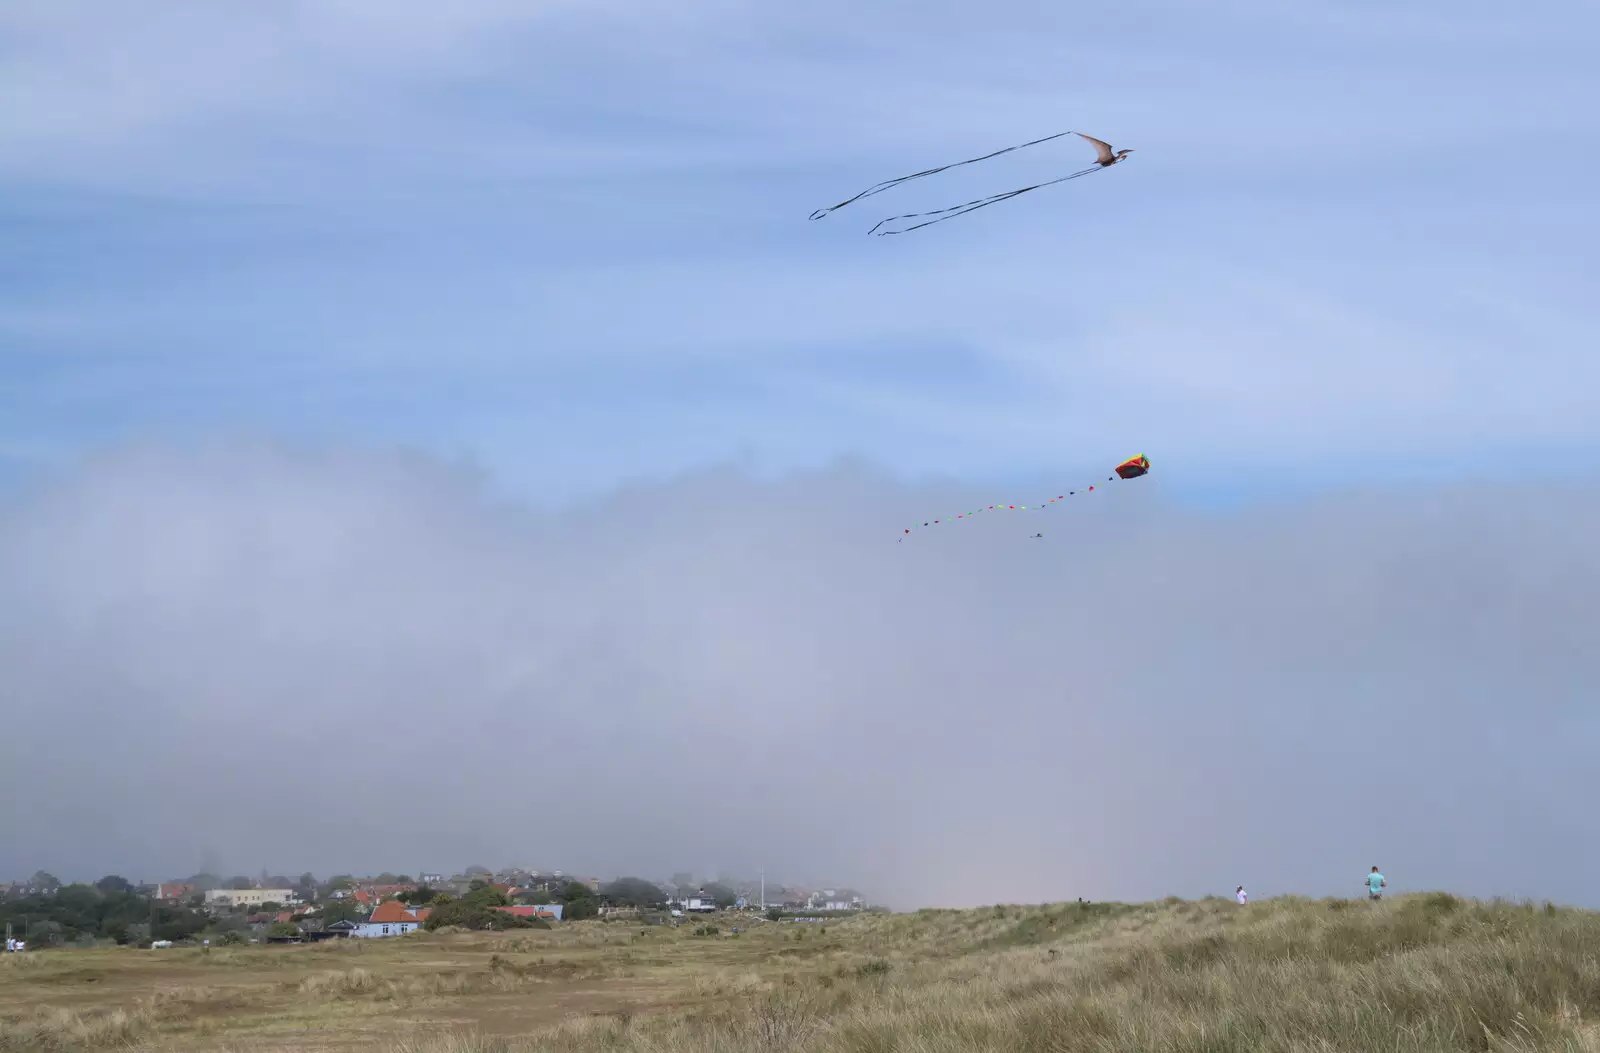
(1241, 895)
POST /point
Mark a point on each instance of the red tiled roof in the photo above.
(390, 890)
(284, 915)
(390, 912)
(422, 913)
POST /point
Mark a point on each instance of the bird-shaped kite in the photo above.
(1105, 157)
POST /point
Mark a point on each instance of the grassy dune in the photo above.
(1411, 974)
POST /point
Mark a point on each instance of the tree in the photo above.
(485, 896)
(339, 910)
(82, 913)
(634, 892)
(418, 896)
(476, 869)
(239, 882)
(720, 894)
(476, 916)
(44, 881)
(112, 883)
(177, 924)
(571, 890)
(579, 901)
(282, 930)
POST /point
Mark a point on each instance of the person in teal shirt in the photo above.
(1375, 884)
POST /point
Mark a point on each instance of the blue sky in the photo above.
(569, 242)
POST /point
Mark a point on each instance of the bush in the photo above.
(485, 896)
(634, 892)
(479, 918)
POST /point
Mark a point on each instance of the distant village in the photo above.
(205, 909)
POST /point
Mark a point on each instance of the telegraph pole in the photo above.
(763, 890)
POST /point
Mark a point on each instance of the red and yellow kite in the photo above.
(1134, 467)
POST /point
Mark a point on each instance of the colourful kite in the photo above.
(1105, 157)
(1132, 468)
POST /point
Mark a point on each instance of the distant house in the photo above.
(390, 919)
(251, 897)
(546, 911)
(698, 904)
(173, 891)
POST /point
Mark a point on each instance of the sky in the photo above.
(433, 436)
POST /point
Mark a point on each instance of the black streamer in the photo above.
(971, 206)
(879, 188)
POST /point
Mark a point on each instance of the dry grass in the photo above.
(1427, 973)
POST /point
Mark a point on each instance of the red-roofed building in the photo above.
(547, 911)
(389, 919)
(174, 891)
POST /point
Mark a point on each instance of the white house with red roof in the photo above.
(391, 918)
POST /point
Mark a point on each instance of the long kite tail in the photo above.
(878, 188)
(981, 509)
(972, 206)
